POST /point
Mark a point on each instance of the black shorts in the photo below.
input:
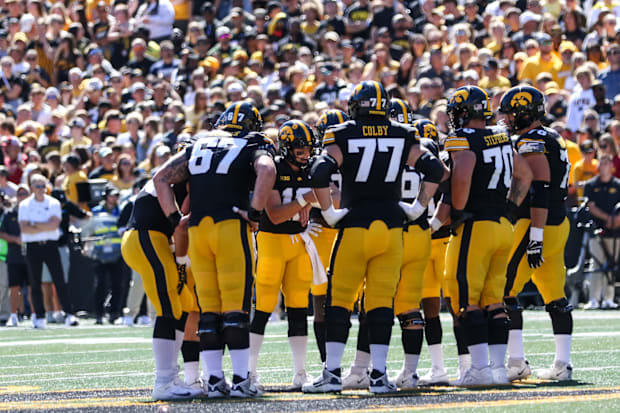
(18, 275)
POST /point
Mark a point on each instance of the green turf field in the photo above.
(105, 368)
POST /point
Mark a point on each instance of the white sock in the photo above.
(256, 341)
(562, 347)
(515, 344)
(191, 371)
(212, 363)
(497, 355)
(464, 362)
(378, 354)
(479, 355)
(436, 353)
(165, 359)
(411, 362)
(179, 336)
(240, 360)
(361, 363)
(299, 346)
(334, 351)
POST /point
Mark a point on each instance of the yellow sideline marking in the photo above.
(17, 389)
(478, 404)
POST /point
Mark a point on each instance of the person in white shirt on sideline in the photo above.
(39, 217)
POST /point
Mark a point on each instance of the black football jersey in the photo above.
(147, 214)
(288, 184)
(548, 142)
(411, 182)
(492, 174)
(221, 169)
(315, 213)
(374, 155)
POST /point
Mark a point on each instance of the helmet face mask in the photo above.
(522, 105)
(240, 118)
(468, 103)
(368, 99)
(400, 111)
(292, 136)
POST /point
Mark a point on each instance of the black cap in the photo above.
(111, 190)
(587, 146)
(491, 64)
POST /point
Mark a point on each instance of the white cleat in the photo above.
(434, 377)
(255, 379)
(127, 320)
(518, 369)
(38, 323)
(144, 320)
(380, 384)
(216, 387)
(476, 377)
(59, 318)
(244, 388)
(591, 305)
(71, 321)
(499, 375)
(559, 371)
(406, 379)
(13, 321)
(356, 381)
(174, 390)
(327, 382)
(609, 305)
(299, 380)
(199, 386)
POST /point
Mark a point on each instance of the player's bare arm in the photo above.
(521, 180)
(541, 176)
(265, 178)
(173, 171)
(463, 163)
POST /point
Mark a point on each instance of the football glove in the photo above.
(413, 211)
(535, 247)
(512, 211)
(313, 229)
(332, 216)
(457, 217)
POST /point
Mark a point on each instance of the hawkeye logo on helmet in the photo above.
(521, 99)
(430, 131)
(459, 96)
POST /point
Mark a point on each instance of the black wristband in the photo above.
(254, 214)
(174, 218)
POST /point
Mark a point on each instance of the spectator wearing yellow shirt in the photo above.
(492, 77)
(586, 168)
(544, 61)
(73, 176)
(77, 127)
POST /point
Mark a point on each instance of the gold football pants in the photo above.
(223, 264)
(416, 252)
(365, 255)
(551, 275)
(435, 270)
(476, 263)
(283, 264)
(148, 253)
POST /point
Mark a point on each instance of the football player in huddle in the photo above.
(370, 152)
(146, 249)
(486, 175)
(233, 157)
(324, 236)
(286, 253)
(541, 232)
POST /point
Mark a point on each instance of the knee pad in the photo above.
(180, 323)
(559, 306)
(498, 329)
(515, 313)
(337, 324)
(363, 334)
(210, 323)
(297, 322)
(476, 327)
(561, 317)
(190, 351)
(433, 331)
(164, 328)
(380, 322)
(259, 322)
(409, 320)
(235, 320)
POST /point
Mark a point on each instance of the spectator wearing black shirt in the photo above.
(168, 63)
(140, 59)
(602, 195)
(438, 69)
(602, 106)
(357, 19)
(17, 268)
(107, 168)
(333, 22)
(327, 91)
